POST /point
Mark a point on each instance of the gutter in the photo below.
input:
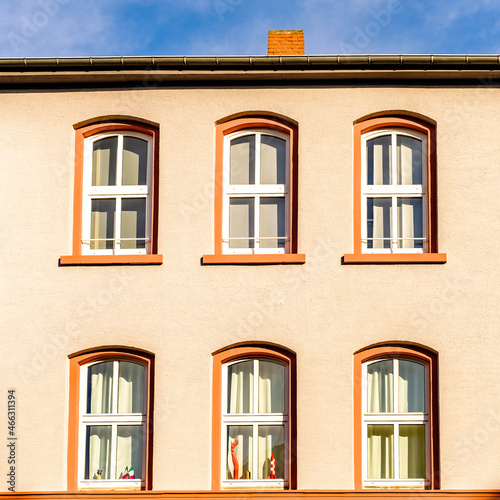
(253, 63)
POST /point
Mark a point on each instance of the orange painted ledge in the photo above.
(96, 260)
(288, 258)
(261, 495)
(400, 258)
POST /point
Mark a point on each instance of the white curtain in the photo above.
(411, 387)
(411, 451)
(100, 387)
(379, 153)
(129, 449)
(380, 387)
(271, 442)
(243, 451)
(271, 387)
(242, 162)
(240, 387)
(382, 208)
(409, 152)
(380, 451)
(98, 451)
(130, 387)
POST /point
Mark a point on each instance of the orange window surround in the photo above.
(91, 128)
(397, 350)
(428, 129)
(253, 122)
(76, 362)
(252, 350)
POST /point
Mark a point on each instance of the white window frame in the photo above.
(255, 191)
(395, 419)
(117, 192)
(394, 191)
(254, 420)
(112, 419)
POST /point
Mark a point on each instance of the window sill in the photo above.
(289, 258)
(97, 260)
(400, 258)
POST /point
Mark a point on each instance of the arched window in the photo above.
(116, 194)
(395, 202)
(110, 418)
(396, 407)
(253, 417)
(255, 192)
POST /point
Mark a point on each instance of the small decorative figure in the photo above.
(273, 468)
(236, 464)
(99, 474)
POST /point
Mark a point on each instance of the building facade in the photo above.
(251, 276)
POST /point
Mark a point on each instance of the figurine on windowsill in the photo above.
(99, 474)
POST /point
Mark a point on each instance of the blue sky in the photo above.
(38, 28)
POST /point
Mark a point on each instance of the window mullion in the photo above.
(118, 221)
(114, 406)
(394, 223)
(396, 450)
(256, 222)
(114, 439)
(396, 385)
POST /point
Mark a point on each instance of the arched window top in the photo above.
(396, 422)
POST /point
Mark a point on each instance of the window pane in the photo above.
(410, 223)
(411, 387)
(241, 222)
(130, 387)
(239, 452)
(271, 387)
(380, 451)
(102, 224)
(379, 160)
(133, 223)
(411, 451)
(271, 449)
(104, 162)
(240, 387)
(379, 222)
(135, 161)
(380, 387)
(98, 452)
(272, 160)
(100, 387)
(242, 163)
(272, 222)
(409, 160)
(129, 451)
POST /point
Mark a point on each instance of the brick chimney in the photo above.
(285, 43)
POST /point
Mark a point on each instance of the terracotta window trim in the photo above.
(418, 124)
(406, 350)
(91, 128)
(107, 353)
(254, 122)
(252, 350)
(298, 258)
(96, 260)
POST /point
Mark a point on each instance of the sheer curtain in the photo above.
(380, 451)
(411, 387)
(243, 451)
(130, 387)
(98, 452)
(240, 387)
(100, 384)
(411, 451)
(380, 387)
(271, 442)
(129, 450)
(271, 387)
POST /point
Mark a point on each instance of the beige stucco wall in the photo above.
(183, 311)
